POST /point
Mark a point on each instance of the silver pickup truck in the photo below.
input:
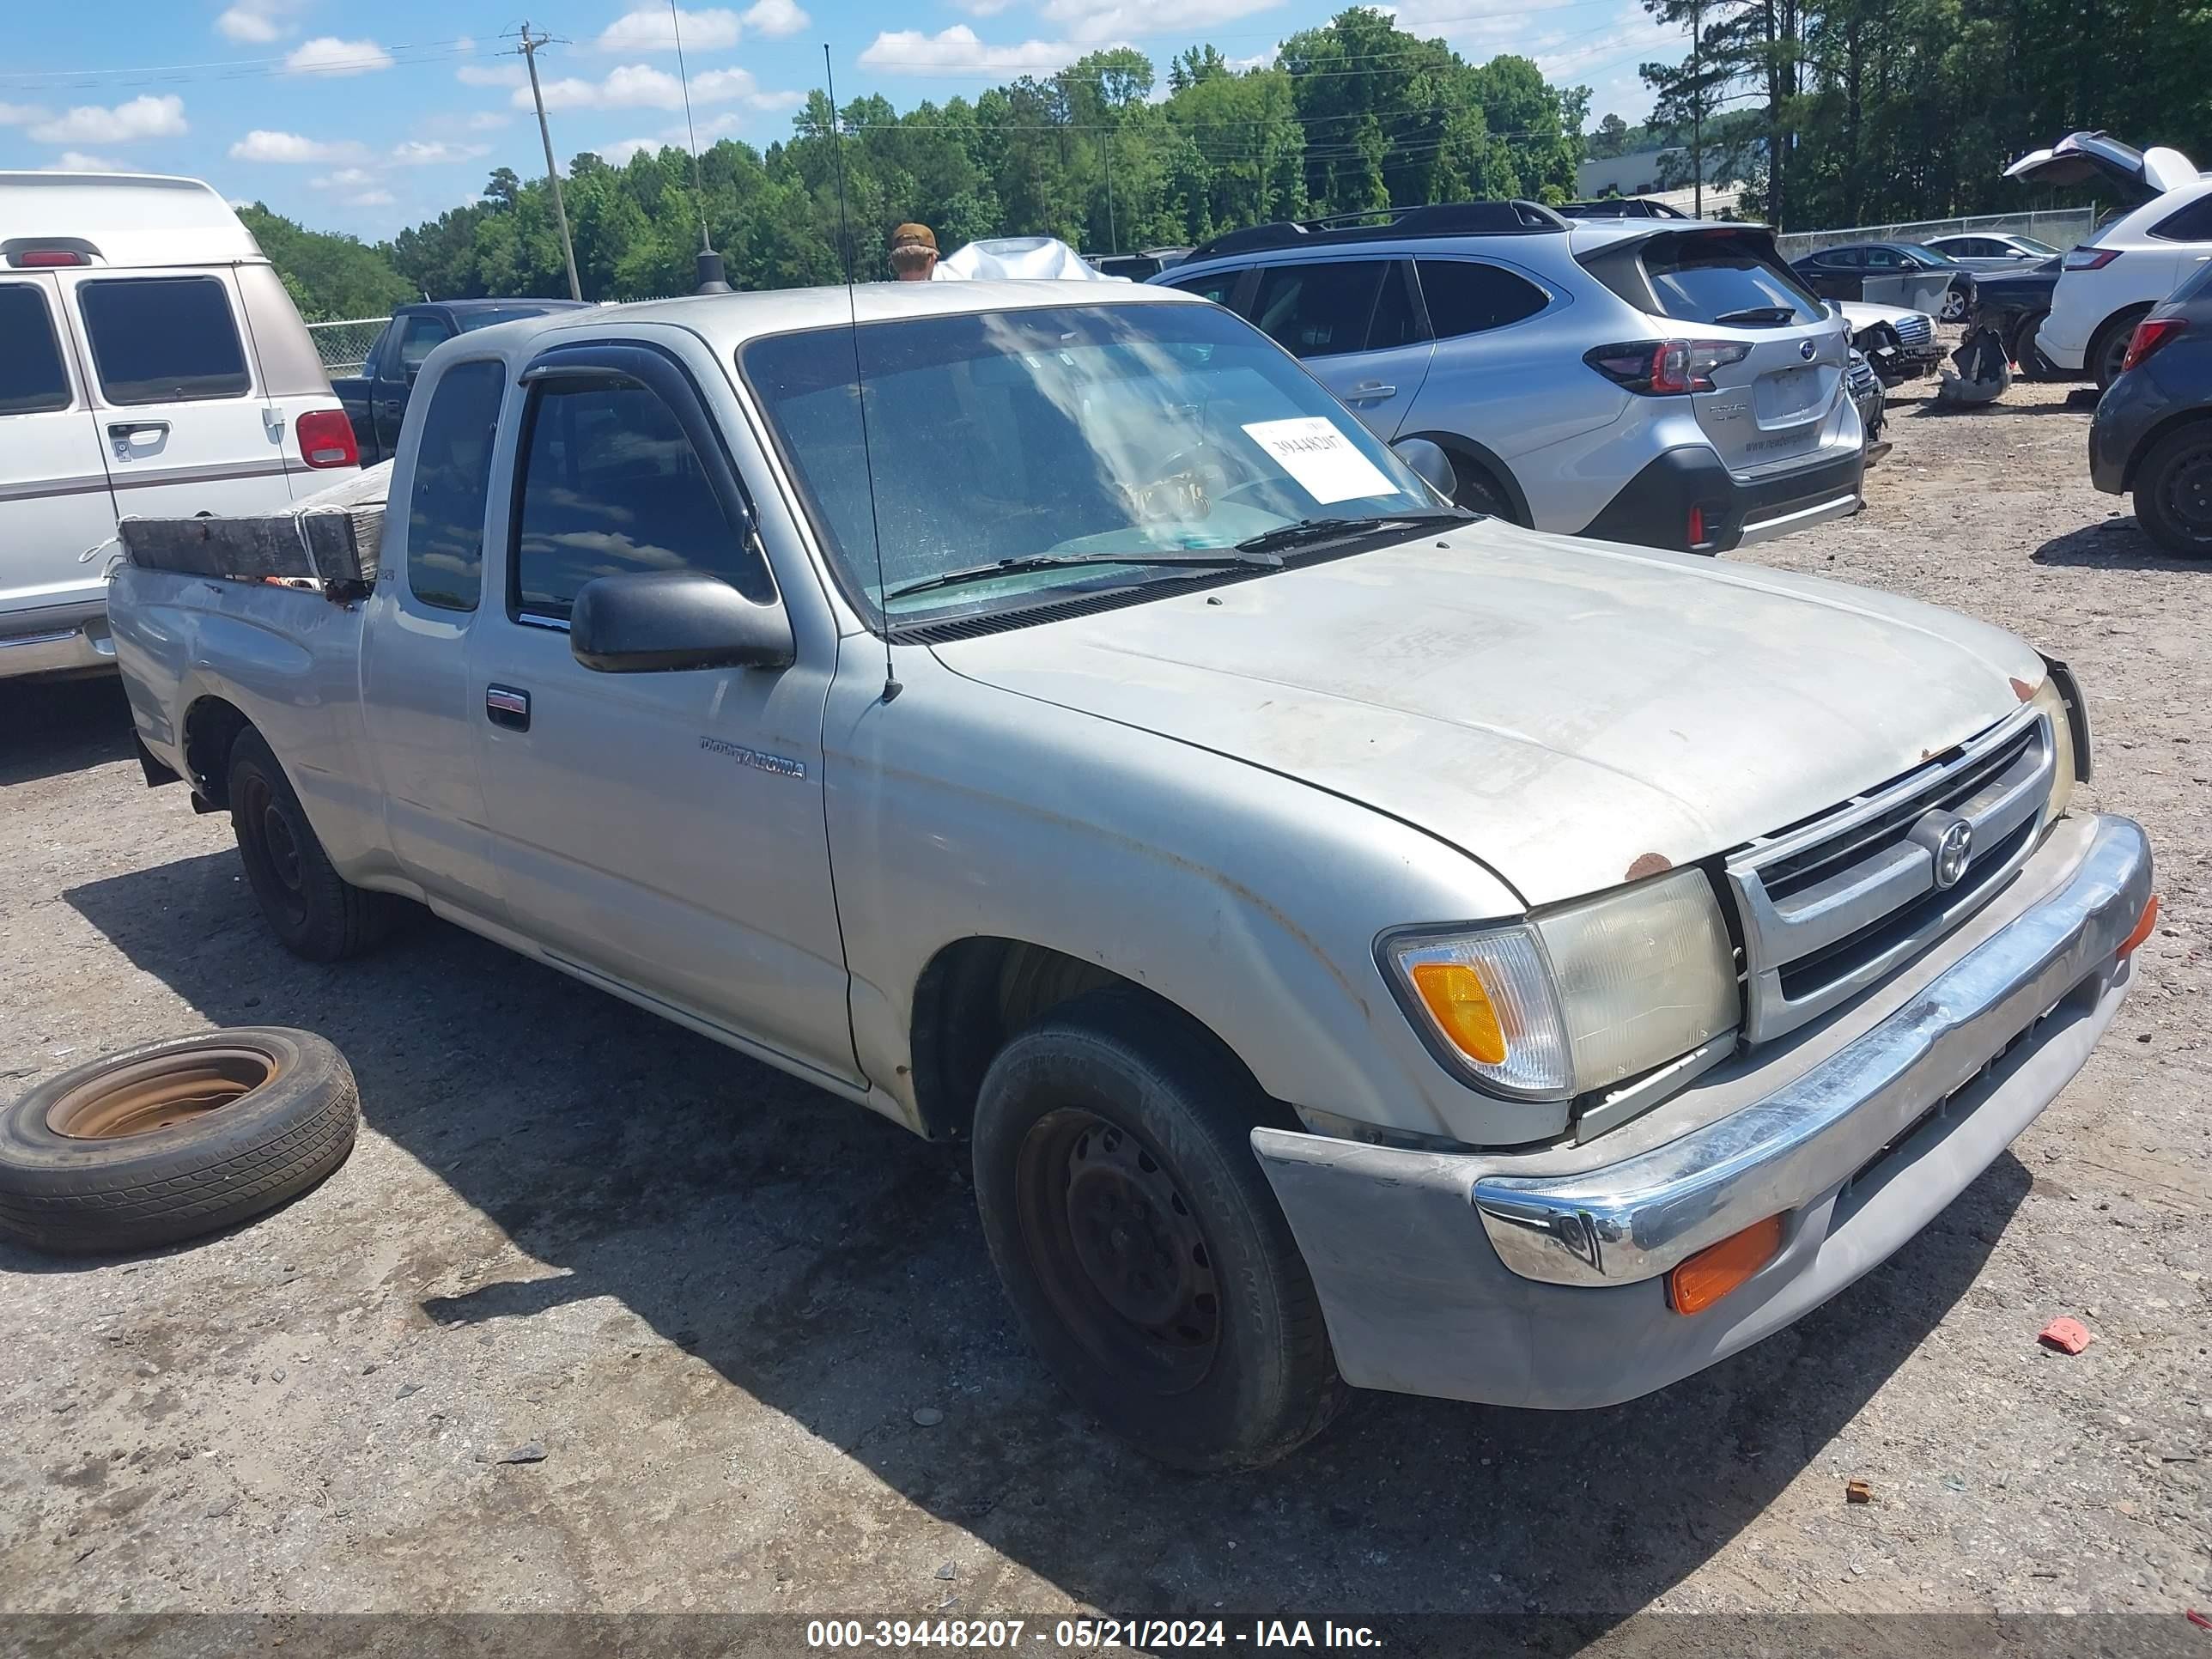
(1364, 943)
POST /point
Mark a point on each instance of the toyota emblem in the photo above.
(1953, 850)
(1806, 349)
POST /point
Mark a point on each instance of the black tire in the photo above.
(1120, 1117)
(2174, 491)
(173, 1139)
(313, 911)
(2027, 354)
(1479, 492)
(2110, 347)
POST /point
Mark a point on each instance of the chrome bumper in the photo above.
(1636, 1219)
(77, 647)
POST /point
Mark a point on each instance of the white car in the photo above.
(1897, 342)
(151, 363)
(2128, 265)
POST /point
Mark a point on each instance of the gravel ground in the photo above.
(753, 1332)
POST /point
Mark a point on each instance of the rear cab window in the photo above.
(453, 480)
(1731, 281)
(163, 339)
(32, 379)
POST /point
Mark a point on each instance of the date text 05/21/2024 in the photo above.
(1087, 1635)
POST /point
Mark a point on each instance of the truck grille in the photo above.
(1916, 330)
(1830, 905)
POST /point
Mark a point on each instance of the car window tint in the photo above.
(452, 475)
(31, 378)
(1216, 285)
(1395, 323)
(611, 485)
(1843, 259)
(163, 339)
(1318, 310)
(1465, 296)
(2191, 224)
(1883, 258)
(424, 334)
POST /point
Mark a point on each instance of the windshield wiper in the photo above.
(1752, 316)
(1309, 532)
(1226, 559)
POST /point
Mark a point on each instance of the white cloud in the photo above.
(142, 117)
(344, 179)
(957, 49)
(256, 21)
(370, 198)
(649, 29)
(617, 153)
(76, 161)
(485, 119)
(1258, 60)
(771, 102)
(20, 115)
(983, 8)
(328, 55)
(290, 148)
(1089, 21)
(775, 18)
(492, 74)
(640, 86)
(417, 152)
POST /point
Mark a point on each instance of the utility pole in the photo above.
(529, 50)
(1113, 236)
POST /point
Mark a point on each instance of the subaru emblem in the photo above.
(1806, 348)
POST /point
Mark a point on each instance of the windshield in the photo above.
(2029, 245)
(1068, 434)
(1925, 255)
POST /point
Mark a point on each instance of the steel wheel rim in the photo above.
(1118, 1249)
(159, 1092)
(2187, 495)
(279, 848)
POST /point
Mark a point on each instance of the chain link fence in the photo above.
(343, 347)
(2061, 227)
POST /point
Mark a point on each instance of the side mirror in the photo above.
(1431, 462)
(655, 621)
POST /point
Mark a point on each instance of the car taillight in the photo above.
(2151, 334)
(326, 438)
(2091, 258)
(1658, 369)
(36, 258)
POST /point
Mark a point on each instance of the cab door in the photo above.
(186, 425)
(54, 505)
(1357, 327)
(662, 832)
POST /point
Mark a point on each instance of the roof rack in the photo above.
(1507, 218)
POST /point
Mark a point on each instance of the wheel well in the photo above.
(2126, 316)
(211, 726)
(2157, 434)
(1467, 455)
(973, 996)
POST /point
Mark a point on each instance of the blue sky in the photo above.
(370, 117)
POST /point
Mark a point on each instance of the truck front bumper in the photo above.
(1538, 1278)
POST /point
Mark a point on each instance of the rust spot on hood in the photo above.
(2022, 689)
(1650, 863)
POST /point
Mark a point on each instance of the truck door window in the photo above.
(453, 477)
(163, 339)
(424, 334)
(1317, 311)
(31, 378)
(610, 485)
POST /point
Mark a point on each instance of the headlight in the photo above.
(1581, 997)
(2051, 699)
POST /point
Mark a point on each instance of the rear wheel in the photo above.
(2027, 352)
(1479, 492)
(2109, 349)
(313, 911)
(1141, 1245)
(2174, 491)
(1954, 304)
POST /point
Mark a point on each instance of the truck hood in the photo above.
(1564, 711)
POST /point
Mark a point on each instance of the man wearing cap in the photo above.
(914, 253)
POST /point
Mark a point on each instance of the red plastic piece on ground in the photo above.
(2198, 1619)
(2067, 1336)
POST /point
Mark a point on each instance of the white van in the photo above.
(151, 364)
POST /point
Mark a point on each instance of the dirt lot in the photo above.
(717, 1299)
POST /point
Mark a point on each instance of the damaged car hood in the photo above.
(1563, 711)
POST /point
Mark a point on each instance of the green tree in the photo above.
(330, 276)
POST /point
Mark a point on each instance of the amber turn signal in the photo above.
(2148, 921)
(1706, 1277)
(1455, 997)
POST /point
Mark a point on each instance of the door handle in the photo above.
(1374, 389)
(124, 431)
(507, 706)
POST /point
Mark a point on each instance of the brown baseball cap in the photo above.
(911, 235)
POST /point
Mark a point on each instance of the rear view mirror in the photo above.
(658, 620)
(1429, 461)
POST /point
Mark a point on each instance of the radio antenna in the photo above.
(891, 687)
(712, 278)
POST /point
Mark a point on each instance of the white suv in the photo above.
(151, 364)
(2127, 265)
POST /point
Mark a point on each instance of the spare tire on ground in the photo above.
(173, 1139)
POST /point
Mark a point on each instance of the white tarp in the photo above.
(1003, 257)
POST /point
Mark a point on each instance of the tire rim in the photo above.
(1118, 1249)
(264, 821)
(159, 1092)
(1954, 306)
(2187, 496)
(2115, 353)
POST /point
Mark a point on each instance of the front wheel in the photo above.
(1954, 304)
(2174, 491)
(1141, 1245)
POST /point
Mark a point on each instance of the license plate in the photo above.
(1788, 391)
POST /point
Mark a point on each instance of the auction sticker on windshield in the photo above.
(1314, 452)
